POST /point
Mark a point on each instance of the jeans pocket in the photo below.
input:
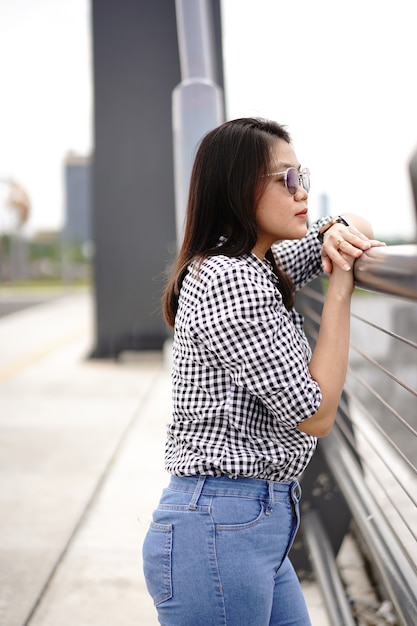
(236, 513)
(156, 551)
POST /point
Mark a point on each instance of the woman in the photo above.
(249, 398)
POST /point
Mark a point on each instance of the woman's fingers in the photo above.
(341, 242)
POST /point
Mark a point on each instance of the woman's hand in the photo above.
(342, 241)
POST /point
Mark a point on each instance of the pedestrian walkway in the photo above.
(81, 469)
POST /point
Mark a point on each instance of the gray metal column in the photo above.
(197, 102)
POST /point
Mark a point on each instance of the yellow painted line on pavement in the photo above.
(16, 367)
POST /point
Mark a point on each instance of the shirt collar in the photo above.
(265, 266)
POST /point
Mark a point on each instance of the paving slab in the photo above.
(62, 418)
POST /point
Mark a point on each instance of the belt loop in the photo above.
(197, 492)
(295, 491)
(271, 497)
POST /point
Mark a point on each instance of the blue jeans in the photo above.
(216, 553)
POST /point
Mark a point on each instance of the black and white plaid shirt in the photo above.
(241, 382)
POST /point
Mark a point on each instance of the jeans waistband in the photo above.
(241, 487)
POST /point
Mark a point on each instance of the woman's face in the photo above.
(280, 215)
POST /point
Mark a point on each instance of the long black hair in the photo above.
(225, 187)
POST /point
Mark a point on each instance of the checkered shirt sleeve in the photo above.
(301, 258)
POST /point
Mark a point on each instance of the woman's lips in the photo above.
(302, 214)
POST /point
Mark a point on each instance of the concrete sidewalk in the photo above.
(81, 460)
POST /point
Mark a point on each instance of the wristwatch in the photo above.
(336, 220)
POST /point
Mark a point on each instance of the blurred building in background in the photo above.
(77, 245)
(77, 175)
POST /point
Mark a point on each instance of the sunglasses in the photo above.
(293, 178)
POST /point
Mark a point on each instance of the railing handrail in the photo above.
(391, 270)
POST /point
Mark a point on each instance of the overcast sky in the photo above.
(45, 104)
(341, 76)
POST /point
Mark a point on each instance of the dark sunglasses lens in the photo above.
(292, 180)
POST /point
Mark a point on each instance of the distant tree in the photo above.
(18, 201)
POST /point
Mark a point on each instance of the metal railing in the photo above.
(372, 449)
(391, 270)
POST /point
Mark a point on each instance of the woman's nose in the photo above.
(301, 193)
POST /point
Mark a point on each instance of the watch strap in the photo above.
(336, 220)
